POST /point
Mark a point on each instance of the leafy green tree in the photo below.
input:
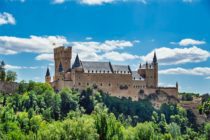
(174, 130)
(69, 101)
(23, 121)
(207, 131)
(35, 123)
(2, 71)
(56, 107)
(162, 123)
(144, 131)
(87, 100)
(82, 128)
(47, 114)
(11, 76)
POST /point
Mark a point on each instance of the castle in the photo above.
(116, 80)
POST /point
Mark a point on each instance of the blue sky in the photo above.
(120, 31)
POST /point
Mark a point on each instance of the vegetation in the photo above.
(8, 76)
(37, 112)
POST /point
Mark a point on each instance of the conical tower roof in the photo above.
(47, 72)
(77, 62)
(155, 58)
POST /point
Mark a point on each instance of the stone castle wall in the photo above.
(8, 87)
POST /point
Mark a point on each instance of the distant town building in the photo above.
(116, 80)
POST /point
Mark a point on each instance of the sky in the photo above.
(124, 32)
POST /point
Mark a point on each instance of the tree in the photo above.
(11, 76)
(144, 131)
(207, 131)
(2, 71)
(174, 130)
(69, 101)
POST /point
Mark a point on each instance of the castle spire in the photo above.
(155, 58)
(77, 62)
(60, 69)
(140, 65)
(48, 72)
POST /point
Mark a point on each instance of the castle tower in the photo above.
(47, 76)
(62, 57)
(155, 67)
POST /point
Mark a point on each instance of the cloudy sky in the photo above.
(120, 31)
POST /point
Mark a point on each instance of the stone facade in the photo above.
(116, 80)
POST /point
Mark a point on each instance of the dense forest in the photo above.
(36, 112)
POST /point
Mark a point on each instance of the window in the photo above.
(79, 84)
(96, 71)
(109, 84)
(88, 71)
(92, 71)
(101, 84)
(88, 84)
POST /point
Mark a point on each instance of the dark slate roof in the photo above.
(47, 73)
(121, 69)
(136, 76)
(96, 67)
(155, 58)
(77, 62)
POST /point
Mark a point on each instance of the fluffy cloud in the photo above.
(35, 44)
(45, 56)
(194, 71)
(208, 78)
(189, 41)
(95, 2)
(58, 1)
(44, 45)
(169, 56)
(7, 18)
(98, 2)
(96, 51)
(19, 67)
(116, 56)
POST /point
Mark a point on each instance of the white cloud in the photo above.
(58, 1)
(188, 42)
(88, 50)
(202, 71)
(35, 44)
(88, 38)
(45, 56)
(7, 18)
(19, 67)
(116, 56)
(97, 2)
(208, 78)
(169, 56)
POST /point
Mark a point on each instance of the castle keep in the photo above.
(116, 80)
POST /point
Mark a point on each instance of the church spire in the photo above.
(155, 58)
